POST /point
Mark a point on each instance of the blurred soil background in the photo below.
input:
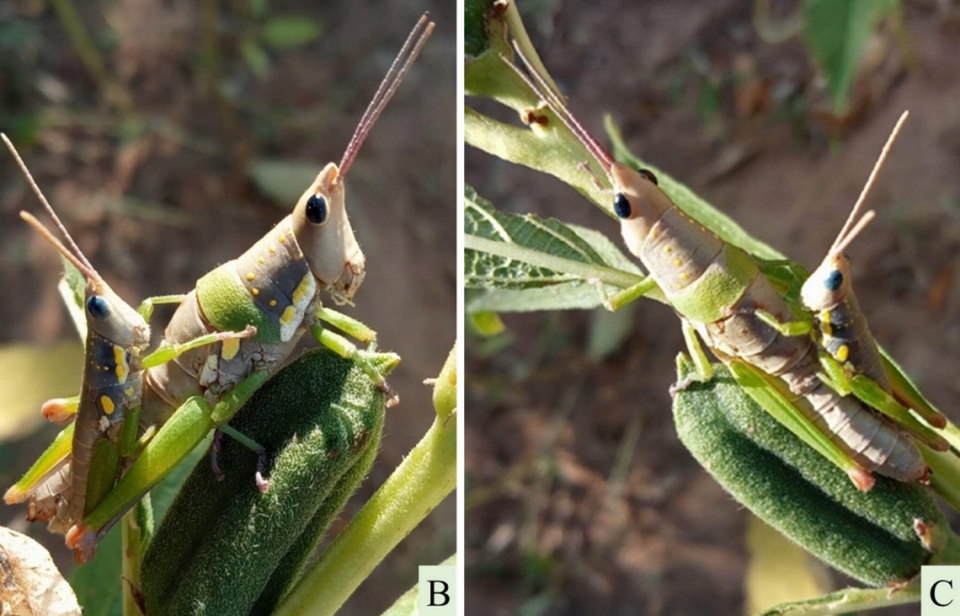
(204, 125)
(581, 499)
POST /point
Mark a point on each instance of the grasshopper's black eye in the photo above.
(649, 175)
(621, 206)
(317, 210)
(834, 280)
(98, 308)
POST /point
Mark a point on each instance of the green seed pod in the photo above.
(870, 536)
(320, 420)
(289, 569)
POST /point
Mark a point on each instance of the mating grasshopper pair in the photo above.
(824, 388)
(138, 416)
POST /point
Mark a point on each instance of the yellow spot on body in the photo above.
(129, 391)
(121, 360)
(703, 229)
(107, 404)
(230, 348)
(825, 323)
(654, 234)
(281, 239)
(273, 302)
(843, 353)
(678, 262)
(684, 276)
(302, 289)
(288, 315)
(272, 250)
(250, 276)
(260, 260)
(255, 291)
(668, 250)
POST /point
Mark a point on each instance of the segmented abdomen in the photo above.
(678, 252)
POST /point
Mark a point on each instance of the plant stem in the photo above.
(846, 601)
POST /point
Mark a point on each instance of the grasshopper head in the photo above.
(828, 285)
(325, 236)
(112, 318)
(639, 203)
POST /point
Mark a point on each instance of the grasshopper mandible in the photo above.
(274, 287)
(718, 290)
(69, 481)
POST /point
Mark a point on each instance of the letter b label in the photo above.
(437, 591)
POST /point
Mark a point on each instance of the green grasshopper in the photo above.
(723, 296)
(273, 287)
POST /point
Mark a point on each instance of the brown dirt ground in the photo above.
(189, 205)
(552, 527)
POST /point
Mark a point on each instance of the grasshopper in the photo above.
(852, 360)
(723, 297)
(85, 463)
(274, 288)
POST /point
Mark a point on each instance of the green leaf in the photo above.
(526, 252)
(575, 295)
(290, 31)
(97, 584)
(836, 32)
(485, 323)
(475, 26)
(256, 58)
(281, 179)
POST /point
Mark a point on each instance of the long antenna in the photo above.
(539, 85)
(398, 70)
(69, 256)
(851, 230)
(75, 255)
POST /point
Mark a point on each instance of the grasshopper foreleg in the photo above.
(622, 298)
(787, 328)
(346, 349)
(172, 351)
(147, 306)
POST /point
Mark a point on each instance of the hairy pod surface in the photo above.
(869, 536)
(320, 420)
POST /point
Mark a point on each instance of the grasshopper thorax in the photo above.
(638, 203)
(323, 231)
